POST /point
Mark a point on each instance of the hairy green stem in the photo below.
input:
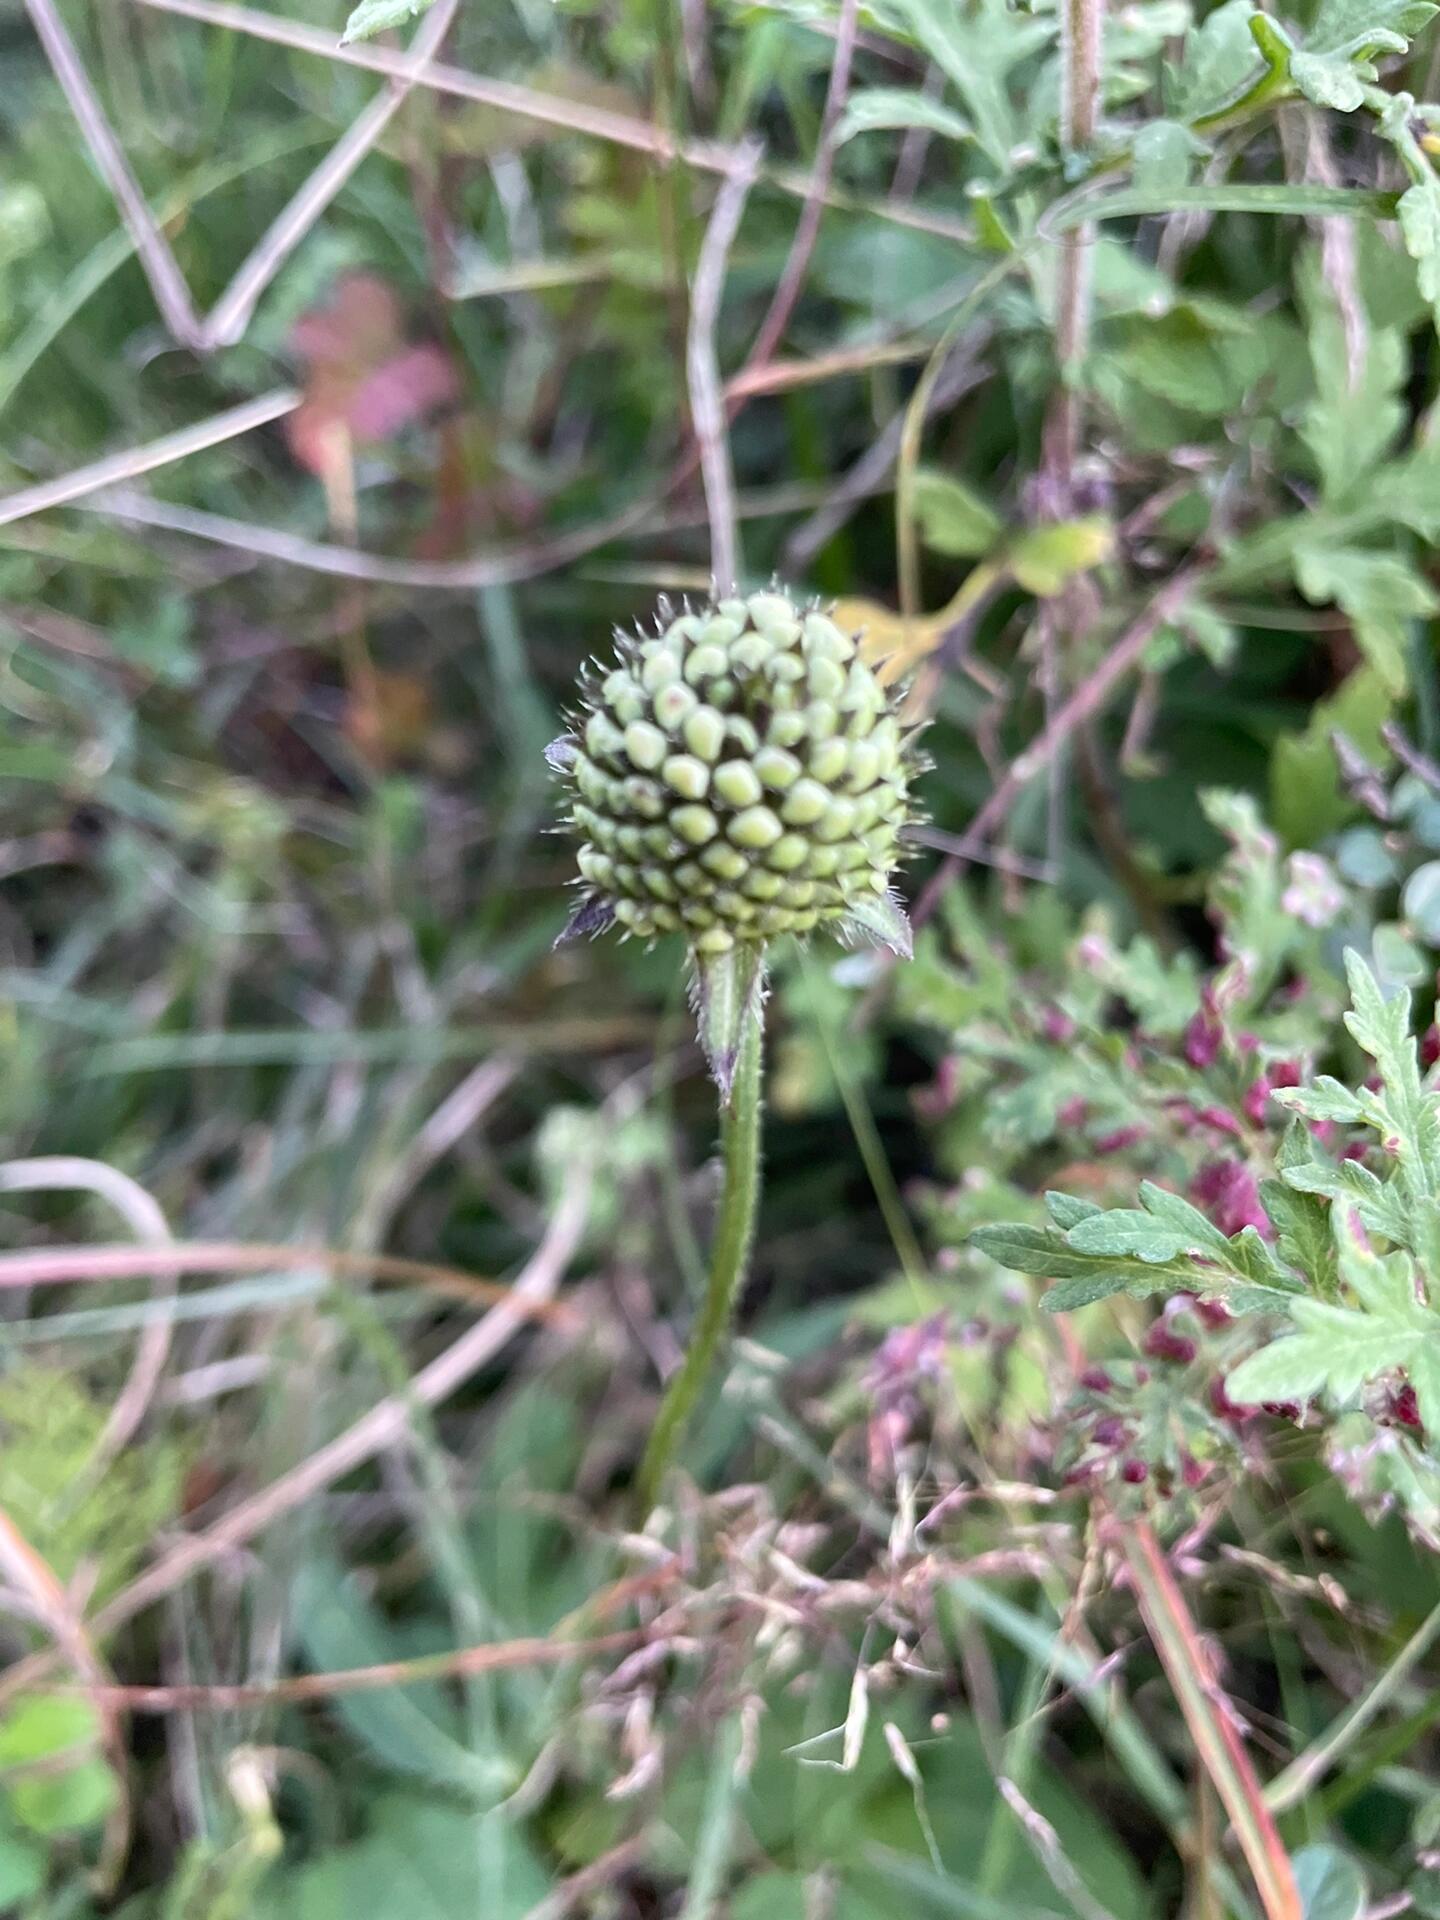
(729, 1257)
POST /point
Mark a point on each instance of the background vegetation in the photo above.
(350, 1232)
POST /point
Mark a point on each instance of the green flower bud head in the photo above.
(740, 774)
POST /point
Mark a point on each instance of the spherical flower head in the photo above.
(739, 774)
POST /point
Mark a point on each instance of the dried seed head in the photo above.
(740, 774)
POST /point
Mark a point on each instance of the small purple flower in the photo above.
(1119, 1140)
(1203, 1038)
(1227, 1189)
(1281, 1073)
(1163, 1344)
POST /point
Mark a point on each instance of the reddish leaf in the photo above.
(364, 382)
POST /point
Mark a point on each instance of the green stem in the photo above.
(734, 1230)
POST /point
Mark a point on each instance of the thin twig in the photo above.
(170, 447)
(707, 402)
(694, 33)
(910, 162)
(1087, 700)
(454, 1118)
(231, 313)
(172, 296)
(869, 473)
(60, 1266)
(499, 1656)
(600, 1872)
(527, 103)
(382, 1426)
(502, 567)
(1001, 858)
(141, 1212)
(1404, 749)
(1081, 24)
(797, 261)
(780, 376)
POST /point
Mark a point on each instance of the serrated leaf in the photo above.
(377, 16)
(1307, 799)
(1380, 1206)
(1136, 1279)
(1127, 1231)
(1295, 1147)
(1335, 1350)
(1341, 46)
(1242, 1299)
(1419, 215)
(1247, 893)
(873, 108)
(1288, 1369)
(1382, 1027)
(1024, 1249)
(976, 47)
(1082, 1278)
(1068, 1209)
(1302, 1232)
(1382, 1286)
(1367, 26)
(1328, 80)
(1219, 64)
(1380, 592)
(1327, 1099)
(1424, 1218)
(1253, 1259)
(1183, 1218)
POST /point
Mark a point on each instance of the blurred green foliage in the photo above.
(276, 909)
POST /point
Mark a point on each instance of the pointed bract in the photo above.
(879, 920)
(729, 990)
(592, 916)
(560, 754)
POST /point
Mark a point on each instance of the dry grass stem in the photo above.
(164, 452)
(143, 1215)
(707, 404)
(383, 1426)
